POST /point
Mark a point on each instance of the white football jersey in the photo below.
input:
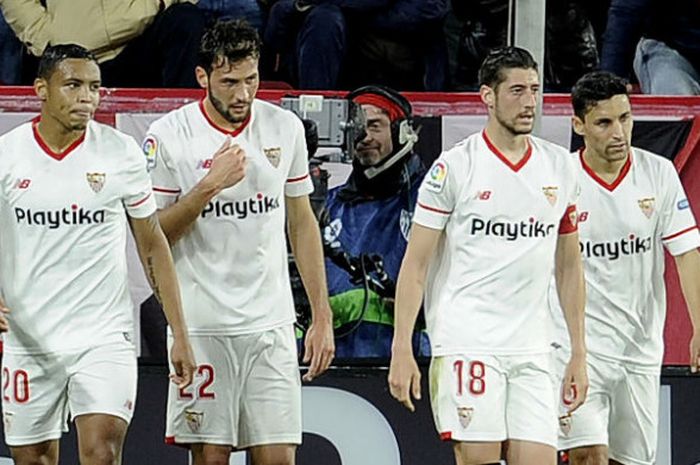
(623, 228)
(487, 286)
(63, 237)
(232, 264)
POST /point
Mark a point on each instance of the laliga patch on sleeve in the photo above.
(436, 177)
(682, 204)
(150, 147)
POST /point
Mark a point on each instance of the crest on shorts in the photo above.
(96, 181)
(7, 420)
(647, 206)
(565, 424)
(465, 415)
(194, 420)
(550, 192)
(274, 155)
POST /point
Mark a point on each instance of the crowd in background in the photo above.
(410, 45)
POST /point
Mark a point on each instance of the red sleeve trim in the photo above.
(433, 209)
(679, 233)
(164, 190)
(446, 436)
(300, 178)
(140, 202)
(569, 222)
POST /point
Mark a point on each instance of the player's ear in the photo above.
(488, 96)
(578, 125)
(202, 77)
(41, 88)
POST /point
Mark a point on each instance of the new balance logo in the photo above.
(55, 218)
(483, 195)
(23, 183)
(204, 164)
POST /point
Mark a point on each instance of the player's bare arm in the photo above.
(571, 289)
(404, 376)
(305, 239)
(688, 265)
(227, 169)
(4, 323)
(160, 270)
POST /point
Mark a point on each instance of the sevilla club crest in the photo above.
(194, 420)
(96, 181)
(647, 206)
(465, 415)
(273, 155)
(550, 192)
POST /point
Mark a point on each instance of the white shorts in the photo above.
(41, 390)
(621, 411)
(493, 398)
(246, 392)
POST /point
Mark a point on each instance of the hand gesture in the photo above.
(404, 378)
(227, 166)
(183, 362)
(575, 383)
(319, 346)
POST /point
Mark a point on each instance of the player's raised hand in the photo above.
(4, 323)
(183, 362)
(404, 378)
(575, 383)
(227, 165)
(695, 352)
(319, 345)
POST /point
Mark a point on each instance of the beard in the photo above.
(223, 110)
(511, 127)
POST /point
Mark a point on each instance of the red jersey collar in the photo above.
(616, 182)
(45, 147)
(211, 122)
(515, 167)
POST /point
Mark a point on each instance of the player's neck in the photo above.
(55, 135)
(512, 146)
(607, 170)
(216, 117)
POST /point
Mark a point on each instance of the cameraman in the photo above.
(366, 227)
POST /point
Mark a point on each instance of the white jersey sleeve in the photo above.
(437, 194)
(679, 232)
(298, 181)
(165, 186)
(138, 199)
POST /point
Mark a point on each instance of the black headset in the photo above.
(403, 134)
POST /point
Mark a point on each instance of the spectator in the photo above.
(571, 46)
(394, 42)
(10, 55)
(137, 43)
(667, 58)
(368, 220)
(253, 11)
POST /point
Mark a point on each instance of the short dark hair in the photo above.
(230, 39)
(55, 54)
(593, 87)
(502, 58)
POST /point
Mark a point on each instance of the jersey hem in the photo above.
(9, 349)
(446, 352)
(234, 332)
